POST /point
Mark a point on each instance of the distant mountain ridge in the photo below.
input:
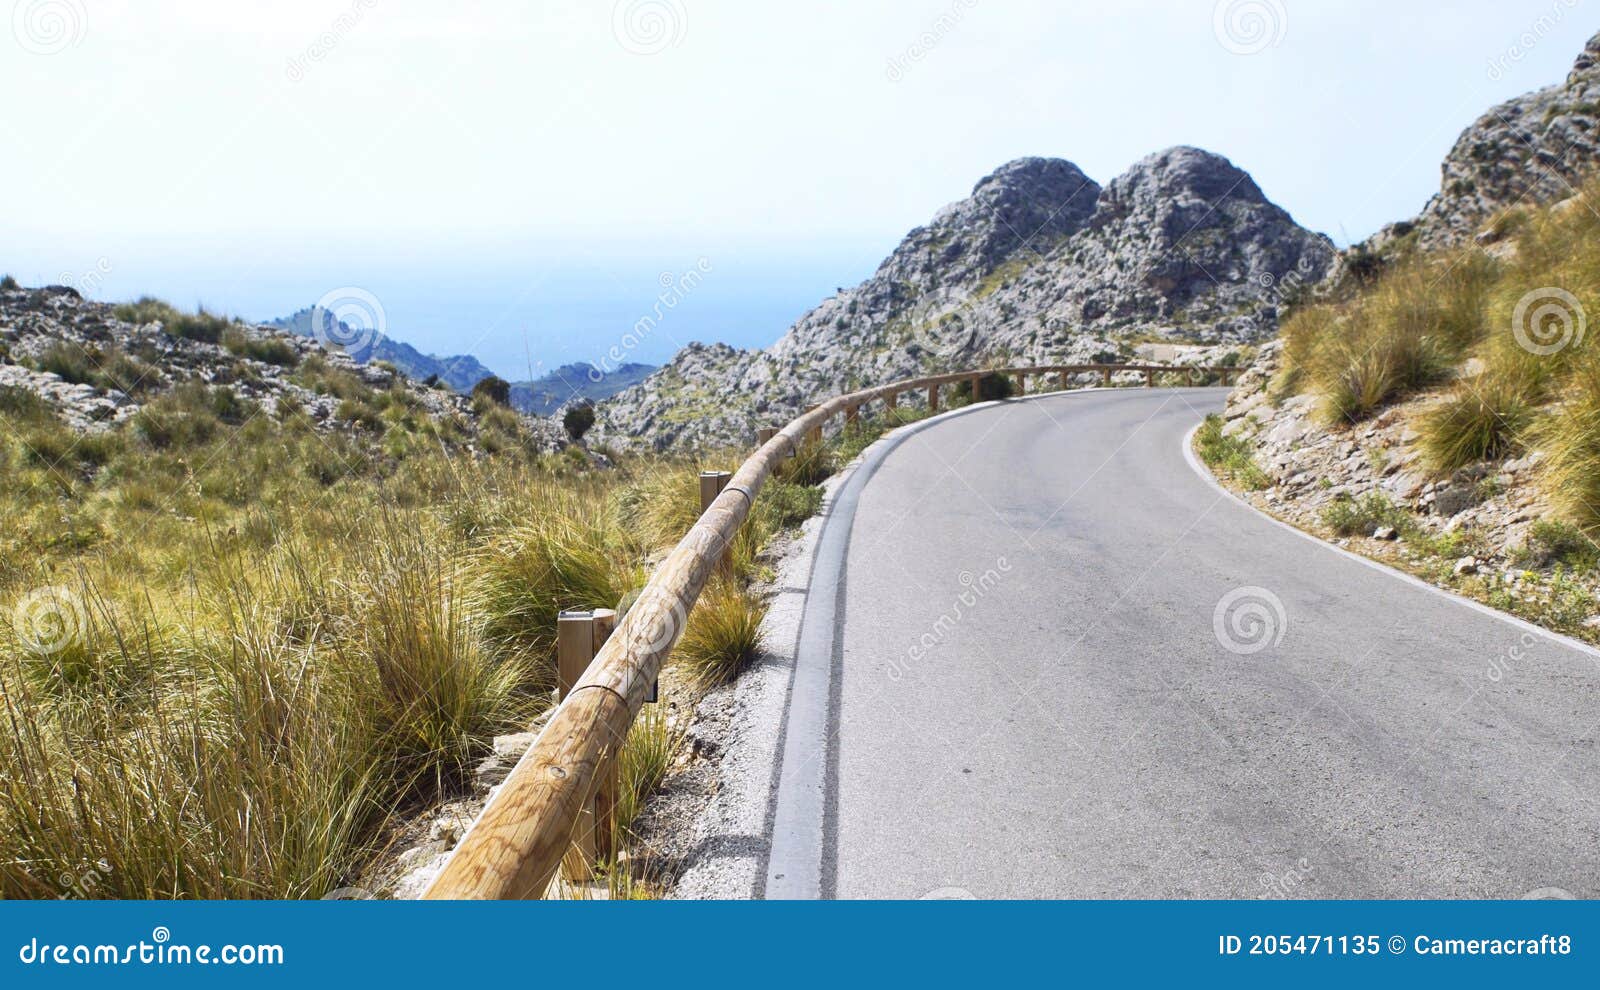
(543, 396)
(460, 371)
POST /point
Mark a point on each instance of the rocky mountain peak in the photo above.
(1030, 199)
(1182, 175)
(1038, 265)
(1027, 203)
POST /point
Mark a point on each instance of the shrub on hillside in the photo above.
(991, 386)
(1551, 541)
(493, 390)
(1348, 516)
(1229, 456)
(578, 419)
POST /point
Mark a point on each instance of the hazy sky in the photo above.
(516, 179)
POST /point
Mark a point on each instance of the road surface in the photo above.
(1043, 657)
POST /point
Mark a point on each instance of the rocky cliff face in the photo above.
(1039, 264)
(1532, 150)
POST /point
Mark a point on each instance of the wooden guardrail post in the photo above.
(711, 485)
(1105, 376)
(604, 623)
(933, 398)
(852, 414)
(1022, 383)
(765, 433)
(1149, 378)
(975, 383)
(579, 635)
(891, 401)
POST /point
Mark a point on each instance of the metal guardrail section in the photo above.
(518, 843)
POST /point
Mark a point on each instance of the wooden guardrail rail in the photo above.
(518, 843)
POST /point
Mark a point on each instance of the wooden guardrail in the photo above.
(518, 843)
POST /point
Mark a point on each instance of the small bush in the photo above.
(267, 350)
(1232, 457)
(9, 284)
(200, 325)
(991, 386)
(812, 464)
(23, 403)
(440, 692)
(786, 504)
(578, 419)
(70, 361)
(1551, 541)
(492, 391)
(1359, 517)
(1402, 334)
(362, 413)
(724, 634)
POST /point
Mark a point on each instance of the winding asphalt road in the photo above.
(1043, 657)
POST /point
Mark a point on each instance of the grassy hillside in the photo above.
(1501, 334)
(236, 645)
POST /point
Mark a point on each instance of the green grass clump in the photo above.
(1481, 418)
(1360, 516)
(200, 325)
(1551, 541)
(1231, 457)
(268, 350)
(723, 636)
(647, 755)
(1569, 437)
